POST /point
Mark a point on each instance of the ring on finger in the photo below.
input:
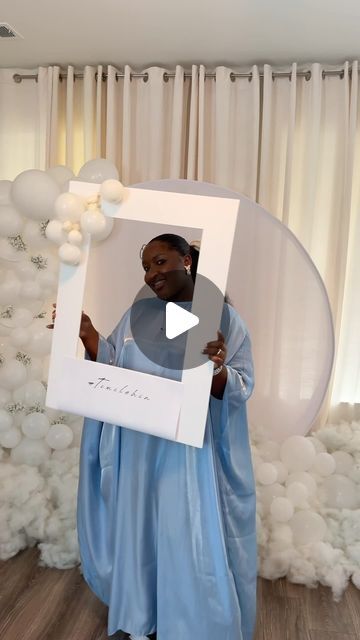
(218, 352)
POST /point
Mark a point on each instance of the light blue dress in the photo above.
(167, 531)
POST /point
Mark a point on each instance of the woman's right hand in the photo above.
(87, 333)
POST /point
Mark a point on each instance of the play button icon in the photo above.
(172, 335)
(178, 320)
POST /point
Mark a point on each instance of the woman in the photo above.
(167, 531)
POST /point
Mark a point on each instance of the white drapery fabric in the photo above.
(290, 143)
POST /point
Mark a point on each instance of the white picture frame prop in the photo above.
(166, 408)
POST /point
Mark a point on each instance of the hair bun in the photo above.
(195, 244)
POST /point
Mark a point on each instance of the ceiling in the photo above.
(164, 32)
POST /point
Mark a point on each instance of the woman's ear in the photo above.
(187, 261)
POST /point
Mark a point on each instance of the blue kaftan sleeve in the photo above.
(239, 360)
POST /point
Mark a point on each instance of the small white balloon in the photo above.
(307, 527)
(12, 374)
(297, 453)
(305, 478)
(282, 472)
(69, 207)
(266, 473)
(32, 452)
(55, 232)
(34, 393)
(19, 337)
(40, 343)
(70, 254)
(75, 237)
(11, 438)
(343, 461)
(31, 290)
(5, 192)
(60, 436)
(112, 191)
(11, 222)
(324, 464)
(5, 397)
(93, 222)
(6, 421)
(35, 425)
(282, 509)
(9, 292)
(61, 174)
(298, 495)
(98, 171)
(22, 317)
(318, 445)
(34, 193)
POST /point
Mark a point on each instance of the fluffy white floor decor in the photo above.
(308, 513)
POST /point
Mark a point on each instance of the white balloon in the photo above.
(19, 394)
(40, 344)
(69, 254)
(31, 290)
(32, 452)
(5, 192)
(12, 374)
(75, 237)
(354, 472)
(340, 492)
(307, 527)
(9, 292)
(304, 478)
(282, 472)
(9, 252)
(281, 509)
(99, 236)
(22, 317)
(298, 494)
(324, 464)
(35, 425)
(61, 174)
(19, 337)
(60, 436)
(35, 369)
(297, 453)
(25, 270)
(34, 193)
(55, 232)
(69, 207)
(318, 445)
(11, 222)
(34, 393)
(98, 171)
(11, 438)
(5, 397)
(112, 191)
(343, 461)
(6, 421)
(266, 473)
(93, 222)
(47, 280)
(33, 236)
(269, 450)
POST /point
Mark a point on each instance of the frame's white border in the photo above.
(216, 218)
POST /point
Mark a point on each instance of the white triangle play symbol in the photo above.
(178, 320)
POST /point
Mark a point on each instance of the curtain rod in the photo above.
(17, 77)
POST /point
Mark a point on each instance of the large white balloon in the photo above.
(5, 192)
(60, 436)
(34, 193)
(307, 527)
(35, 425)
(98, 171)
(11, 222)
(12, 374)
(32, 452)
(34, 393)
(60, 174)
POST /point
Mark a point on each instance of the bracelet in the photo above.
(217, 370)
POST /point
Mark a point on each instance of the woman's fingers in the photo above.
(216, 349)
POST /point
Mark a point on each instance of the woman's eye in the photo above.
(160, 261)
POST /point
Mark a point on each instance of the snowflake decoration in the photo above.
(7, 313)
(15, 407)
(43, 224)
(35, 408)
(39, 261)
(24, 358)
(17, 243)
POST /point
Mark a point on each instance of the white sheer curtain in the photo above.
(290, 143)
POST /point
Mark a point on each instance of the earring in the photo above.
(188, 270)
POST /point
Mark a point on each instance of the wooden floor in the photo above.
(48, 604)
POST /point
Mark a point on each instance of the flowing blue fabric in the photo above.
(167, 531)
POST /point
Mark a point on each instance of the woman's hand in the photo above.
(87, 333)
(217, 352)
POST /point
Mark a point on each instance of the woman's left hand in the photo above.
(216, 350)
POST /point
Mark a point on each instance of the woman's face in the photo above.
(165, 272)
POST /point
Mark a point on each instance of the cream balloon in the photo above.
(70, 254)
(32, 452)
(99, 236)
(93, 222)
(55, 232)
(112, 191)
(34, 193)
(75, 237)
(69, 207)
(11, 222)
